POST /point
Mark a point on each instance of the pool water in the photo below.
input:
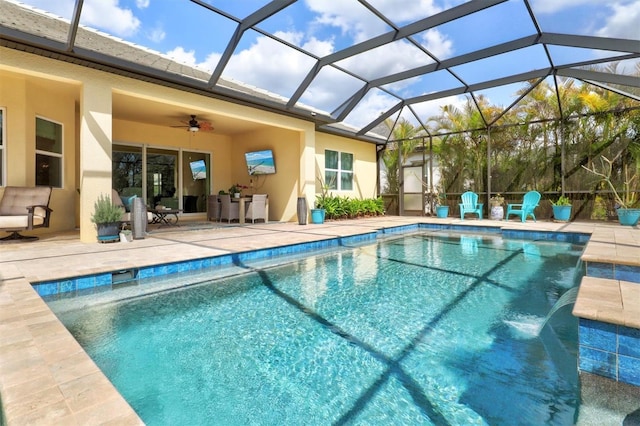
(419, 329)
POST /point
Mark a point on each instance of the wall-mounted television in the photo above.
(198, 169)
(260, 162)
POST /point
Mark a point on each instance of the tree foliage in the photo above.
(542, 143)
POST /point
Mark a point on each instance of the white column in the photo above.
(307, 179)
(95, 151)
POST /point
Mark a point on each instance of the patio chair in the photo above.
(470, 205)
(529, 203)
(257, 208)
(24, 209)
(213, 208)
(127, 204)
(228, 211)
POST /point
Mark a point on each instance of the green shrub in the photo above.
(562, 201)
(337, 207)
(105, 212)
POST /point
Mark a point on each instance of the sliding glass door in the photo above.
(127, 170)
(162, 178)
(170, 177)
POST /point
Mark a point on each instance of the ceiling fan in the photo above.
(194, 125)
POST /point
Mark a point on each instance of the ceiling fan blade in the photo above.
(206, 126)
(194, 125)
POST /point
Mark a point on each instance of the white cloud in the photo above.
(106, 15)
(553, 6)
(617, 19)
(346, 16)
(437, 43)
(266, 64)
(142, 4)
(623, 22)
(330, 88)
(356, 21)
(183, 56)
(370, 107)
(211, 61)
(405, 11)
(387, 59)
(157, 34)
(319, 47)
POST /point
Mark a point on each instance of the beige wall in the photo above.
(364, 157)
(282, 187)
(24, 100)
(79, 98)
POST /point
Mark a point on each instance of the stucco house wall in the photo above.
(83, 101)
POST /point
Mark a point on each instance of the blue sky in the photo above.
(190, 34)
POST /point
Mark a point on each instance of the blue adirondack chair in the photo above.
(470, 205)
(524, 209)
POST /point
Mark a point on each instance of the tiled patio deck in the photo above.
(47, 378)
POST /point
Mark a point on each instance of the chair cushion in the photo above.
(115, 198)
(127, 202)
(16, 199)
(17, 222)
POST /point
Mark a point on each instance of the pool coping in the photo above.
(46, 377)
(111, 278)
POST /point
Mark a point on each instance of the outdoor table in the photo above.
(167, 217)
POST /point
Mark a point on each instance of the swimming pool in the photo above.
(419, 329)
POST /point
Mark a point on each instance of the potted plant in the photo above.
(236, 189)
(318, 211)
(126, 236)
(107, 218)
(496, 204)
(626, 199)
(442, 210)
(561, 209)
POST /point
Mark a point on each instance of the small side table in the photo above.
(167, 217)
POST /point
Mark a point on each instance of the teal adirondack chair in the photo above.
(470, 205)
(524, 209)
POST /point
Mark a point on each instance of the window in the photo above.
(48, 153)
(2, 151)
(338, 170)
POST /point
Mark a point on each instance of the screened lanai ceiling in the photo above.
(346, 65)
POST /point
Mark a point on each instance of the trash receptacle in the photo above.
(138, 218)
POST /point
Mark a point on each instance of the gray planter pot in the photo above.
(108, 231)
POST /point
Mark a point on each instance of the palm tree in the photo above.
(462, 151)
(402, 145)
